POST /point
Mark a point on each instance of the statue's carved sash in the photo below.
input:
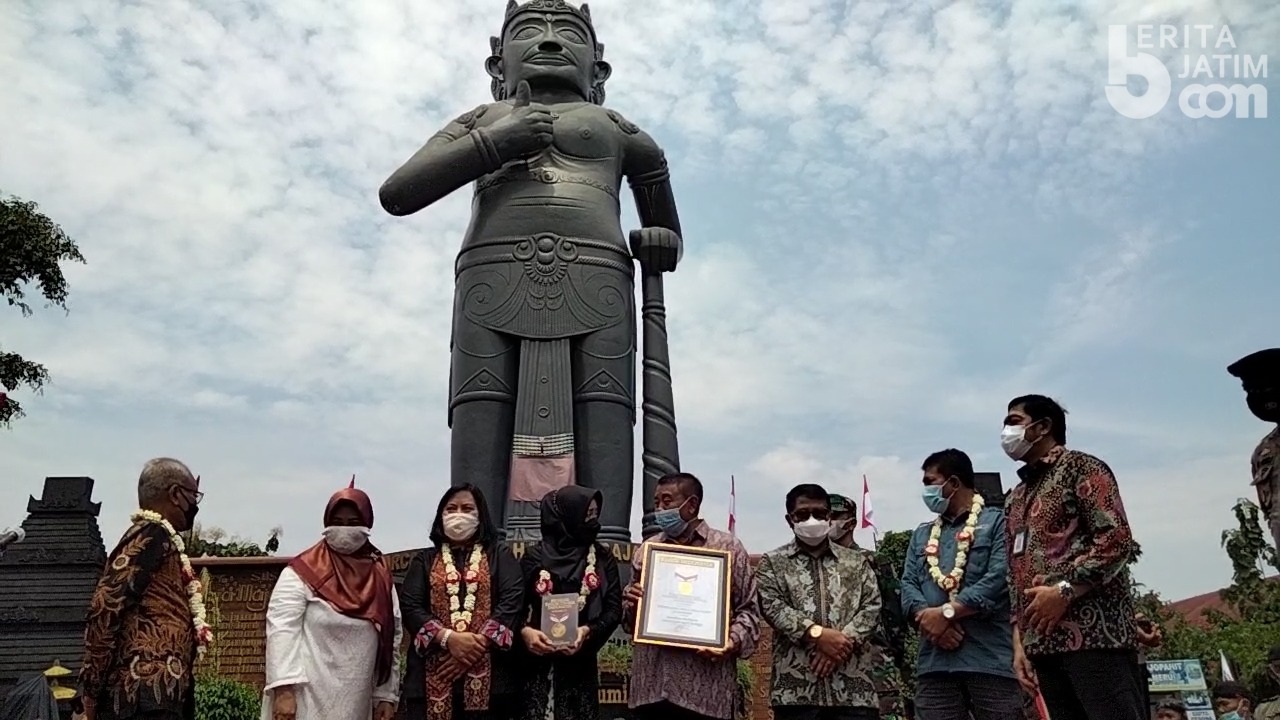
(542, 447)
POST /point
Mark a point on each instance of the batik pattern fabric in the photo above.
(1266, 480)
(140, 644)
(836, 589)
(1065, 521)
(888, 647)
(686, 679)
(476, 680)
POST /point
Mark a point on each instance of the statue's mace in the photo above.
(661, 452)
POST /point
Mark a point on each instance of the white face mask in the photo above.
(1013, 439)
(812, 531)
(346, 539)
(459, 527)
(839, 528)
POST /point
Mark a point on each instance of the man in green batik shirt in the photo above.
(890, 641)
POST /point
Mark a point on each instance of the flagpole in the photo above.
(733, 506)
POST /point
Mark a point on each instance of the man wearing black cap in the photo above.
(889, 646)
(1259, 373)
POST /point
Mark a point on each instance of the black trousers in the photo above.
(1092, 685)
(806, 712)
(965, 695)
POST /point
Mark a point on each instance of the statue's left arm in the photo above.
(645, 167)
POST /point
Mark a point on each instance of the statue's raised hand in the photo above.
(657, 248)
(526, 131)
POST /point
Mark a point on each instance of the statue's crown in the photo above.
(582, 12)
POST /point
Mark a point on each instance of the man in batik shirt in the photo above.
(140, 637)
(670, 683)
(888, 646)
(1260, 375)
(1074, 628)
(823, 603)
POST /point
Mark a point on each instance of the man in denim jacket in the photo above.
(955, 591)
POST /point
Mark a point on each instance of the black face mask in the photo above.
(1264, 403)
(189, 515)
(588, 532)
(190, 512)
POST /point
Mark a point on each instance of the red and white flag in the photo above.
(733, 506)
(868, 512)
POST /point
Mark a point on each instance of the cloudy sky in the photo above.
(897, 217)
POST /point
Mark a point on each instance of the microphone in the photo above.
(10, 537)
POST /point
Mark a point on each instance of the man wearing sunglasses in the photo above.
(141, 637)
(824, 605)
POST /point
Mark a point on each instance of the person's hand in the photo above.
(718, 655)
(584, 632)
(951, 638)
(657, 248)
(1149, 634)
(932, 623)
(284, 704)
(822, 665)
(90, 713)
(450, 670)
(835, 645)
(384, 711)
(537, 641)
(526, 131)
(1046, 607)
(1023, 670)
(633, 594)
(467, 648)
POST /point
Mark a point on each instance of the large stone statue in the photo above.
(542, 381)
(1259, 373)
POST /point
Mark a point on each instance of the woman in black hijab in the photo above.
(561, 683)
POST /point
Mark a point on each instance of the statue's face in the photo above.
(548, 49)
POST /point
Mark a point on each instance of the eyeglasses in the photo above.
(817, 514)
(196, 496)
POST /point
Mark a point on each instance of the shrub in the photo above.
(220, 698)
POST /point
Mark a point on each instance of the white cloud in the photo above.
(896, 219)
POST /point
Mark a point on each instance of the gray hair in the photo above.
(158, 475)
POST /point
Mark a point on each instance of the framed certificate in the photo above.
(686, 597)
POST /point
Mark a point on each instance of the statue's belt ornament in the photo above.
(548, 176)
(545, 286)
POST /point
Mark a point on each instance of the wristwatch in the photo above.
(1067, 589)
(949, 611)
(814, 632)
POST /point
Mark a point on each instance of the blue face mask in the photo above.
(1233, 715)
(670, 522)
(934, 499)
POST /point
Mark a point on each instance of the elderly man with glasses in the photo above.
(146, 622)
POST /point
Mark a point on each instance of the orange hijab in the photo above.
(357, 585)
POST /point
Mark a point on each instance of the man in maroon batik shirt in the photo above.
(1074, 630)
(672, 683)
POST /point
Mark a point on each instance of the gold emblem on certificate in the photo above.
(560, 619)
(686, 597)
(685, 584)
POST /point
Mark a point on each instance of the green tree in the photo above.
(1249, 626)
(214, 542)
(32, 250)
